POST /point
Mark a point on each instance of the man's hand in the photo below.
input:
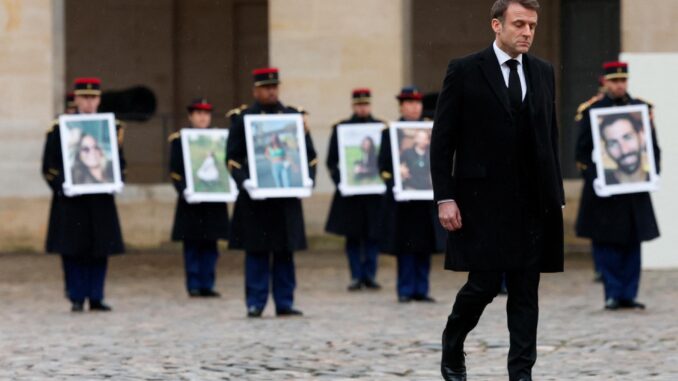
(449, 215)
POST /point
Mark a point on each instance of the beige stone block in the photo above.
(648, 26)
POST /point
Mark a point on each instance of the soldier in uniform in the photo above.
(617, 224)
(269, 230)
(410, 230)
(83, 229)
(356, 217)
(198, 225)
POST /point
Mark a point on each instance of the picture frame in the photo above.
(89, 147)
(207, 177)
(623, 150)
(276, 152)
(358, 145)
(411, 169)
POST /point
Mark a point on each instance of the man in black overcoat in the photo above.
(83, 229)
(356, 217)
(497, 182)
(617, 224)
(410, 230)
(199, 225)
(269, 230)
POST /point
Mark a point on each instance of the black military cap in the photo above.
(266, 76)
(199, 104)
(87, 86)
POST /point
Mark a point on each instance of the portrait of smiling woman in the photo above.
(90, 165)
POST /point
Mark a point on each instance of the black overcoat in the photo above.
(351, 216)
(474, 160)
(618, 219)
(202, 221)
(407, 227)
(84, 226)
(275, 224)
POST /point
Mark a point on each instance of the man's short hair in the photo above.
(499, 8)
(609, 120)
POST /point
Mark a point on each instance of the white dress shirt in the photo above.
(502, 57)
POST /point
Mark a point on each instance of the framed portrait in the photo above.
(411, 152)
(623, 150)
(358, 166)
(207, 178)
(89, 145)
(276, 152)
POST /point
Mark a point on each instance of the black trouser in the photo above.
(522, 309)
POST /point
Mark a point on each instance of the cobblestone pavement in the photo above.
(157, 333)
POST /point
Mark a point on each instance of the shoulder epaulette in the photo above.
(427, 119)
(582, 107)
(55, 123)
(298, 109)
(174, 136)
(649, 104)
(236, 111)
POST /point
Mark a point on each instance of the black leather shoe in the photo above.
(453, 362)
(425, 299)
(633, 304)
(612, 304)
(254, 312)
(194, 293)
(525, 378)
(355, 285)
(77, 307)
(99, 306)
(404, 299)
(371, 284)
(452, 375)
(207, 293)
(289, 313)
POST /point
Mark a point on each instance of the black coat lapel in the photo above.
(492, 72)
(533, 77)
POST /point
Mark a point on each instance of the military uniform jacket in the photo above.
(501, 167)
(202, 221)
(82, 226)
(407, 227)
(275, 224)
(618, 219)
(351, 216)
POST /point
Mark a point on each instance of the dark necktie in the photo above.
(514, 89)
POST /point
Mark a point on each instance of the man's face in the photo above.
(87, 104)
(616, 87)
(266, 95)
(422, 140)
(200, 118)
(624, 145)
(411, 109)
(362, 110)
(515, 34)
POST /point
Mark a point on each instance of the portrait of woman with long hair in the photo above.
(90, 165)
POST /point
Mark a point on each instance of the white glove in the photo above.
(249, 187)
(340, 188)
(69, 192)
(308, 183)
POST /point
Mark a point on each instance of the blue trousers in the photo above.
(200, 260)
(85, 278)
(362, 258)
(413, 272)
(261, 270)
(620, 269)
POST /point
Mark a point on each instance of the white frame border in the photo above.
(64, 133)
(600, 187)
(263, 193)
(398, 193)
(352, 190)
(186, 134)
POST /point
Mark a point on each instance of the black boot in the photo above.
(453, 363)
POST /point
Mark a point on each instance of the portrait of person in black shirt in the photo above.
(415, 167)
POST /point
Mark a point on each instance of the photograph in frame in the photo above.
(276, 152)
(207, 178)
(411, 151)
(623, 150)
(358, 165)
(89, 146)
